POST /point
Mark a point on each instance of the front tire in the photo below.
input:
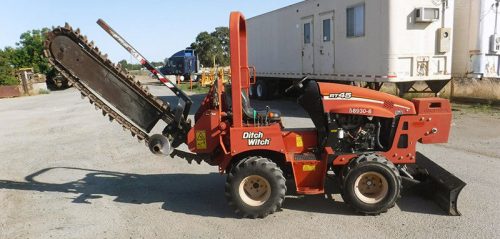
(371, 184)
(255, 187)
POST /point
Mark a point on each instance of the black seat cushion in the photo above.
(311, 101)
(250, 113)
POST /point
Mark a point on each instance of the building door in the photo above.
(325, 44)
(307, 45)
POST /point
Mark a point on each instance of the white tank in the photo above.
(476, 46)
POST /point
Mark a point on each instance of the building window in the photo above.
(307, 33)
(327, 30)
(356, 21)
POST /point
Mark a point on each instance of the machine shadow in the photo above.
(197, 194)
(193, 194)
(322, 203)
(415, 201)
(412, 200)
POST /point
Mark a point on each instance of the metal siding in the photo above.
(275, 39)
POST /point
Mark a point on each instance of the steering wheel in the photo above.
(298, 84)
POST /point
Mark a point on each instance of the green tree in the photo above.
(29, 52)
(157, 63)
(222, 34)
(6, 70)
(123, 63)
(213, 45)
(128, 66)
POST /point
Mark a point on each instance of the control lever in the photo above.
(297, 84)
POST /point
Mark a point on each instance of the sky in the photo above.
(155, 28)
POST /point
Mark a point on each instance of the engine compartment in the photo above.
(358, 133)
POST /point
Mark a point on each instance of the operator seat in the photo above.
(250, 113)
(312, 103)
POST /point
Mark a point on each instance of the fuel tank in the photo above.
(347, 99)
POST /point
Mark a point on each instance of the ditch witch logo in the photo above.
(256, 139)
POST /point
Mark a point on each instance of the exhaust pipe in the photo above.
(160, 145)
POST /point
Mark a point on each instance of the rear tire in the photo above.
(255, 187)
(371, 184)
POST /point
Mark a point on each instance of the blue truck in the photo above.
(183, 63)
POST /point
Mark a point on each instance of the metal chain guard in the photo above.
(107, 86)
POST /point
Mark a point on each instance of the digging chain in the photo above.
(122, 74)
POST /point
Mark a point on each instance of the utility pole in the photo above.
(496, 15)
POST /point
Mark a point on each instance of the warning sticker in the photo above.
(308, 167)
(298, 141)
(201, 139)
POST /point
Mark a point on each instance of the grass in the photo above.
(475, 109)
(139, 72)
(470, 96)
(197, 88)
(43, 91)
(481, 89)
(485, 89)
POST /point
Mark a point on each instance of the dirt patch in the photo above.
(67, 172)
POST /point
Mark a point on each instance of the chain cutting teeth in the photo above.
(68, 27)
(76, 35)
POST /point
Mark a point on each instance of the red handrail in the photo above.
(239, 60)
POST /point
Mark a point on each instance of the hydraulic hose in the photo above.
(378, 135)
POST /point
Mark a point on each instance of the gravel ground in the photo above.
(68, 173)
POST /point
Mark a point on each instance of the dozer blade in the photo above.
(439, 184)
